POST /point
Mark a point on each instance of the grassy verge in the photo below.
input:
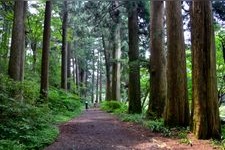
(28, 124)
(157, 126)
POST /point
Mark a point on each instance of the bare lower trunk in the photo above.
(205, 112)
(134, 94)
(177, 107)
(64, 48)
(116, 54)
(100, 80)
(69, 66)
(158, 86)
(107, 67)
(45, 51)
(17, 51)
(93, 81)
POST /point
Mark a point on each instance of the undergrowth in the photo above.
(28, 124)
(157, 125)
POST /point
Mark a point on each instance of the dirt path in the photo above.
(97, 130)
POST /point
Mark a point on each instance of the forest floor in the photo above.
(98, 130)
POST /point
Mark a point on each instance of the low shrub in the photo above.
(25, 122)
(111, 106)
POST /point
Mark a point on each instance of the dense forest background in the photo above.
(54, 56)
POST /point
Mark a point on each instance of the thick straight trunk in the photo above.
(100, 80)
(86, 83)
(17, 46)
(93, 80)
(177, 107)
(64, 48)
(24, 45)
(134, 94)
(97, 81)
(116, 54)
(77, 74)
(107, 67)
(45, 51)
(69, 66)
(82, 81)
(74, 70)
(158, 86)
(205, 112)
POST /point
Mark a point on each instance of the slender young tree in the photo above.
(116, 51)
(64, 48)
(158, 86)
(15, 70)
(205, 112)
(134, 94)
(45, 51)
(176, 109)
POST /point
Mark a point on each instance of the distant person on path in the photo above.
(86, 105)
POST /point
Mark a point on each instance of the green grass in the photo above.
(120, 110)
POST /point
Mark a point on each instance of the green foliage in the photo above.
(137, 118)
(11, 145)
(157, 126)
(221, 143)
(27, 124)
(113, 107)
(120, 109)
(63, 105)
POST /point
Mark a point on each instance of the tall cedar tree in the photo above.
(158, 84)
(22, 61)
(205, 112)
(15, 69)
(69, 66)
(64, 47)
(107, 67)
(45, 51)
(134, 94)
(176, 108)
(116, 51)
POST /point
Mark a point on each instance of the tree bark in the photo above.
(158, 86)
(107, 67)
(69, 66)
(17, 46)
(205, 112)
(134, 94)
(100, 80)
(64, 48)
(22, 64)
(6, 27)
(93, 79)
(45, 51)
(34, 49)
(116, 53)
(97, 81)
(177, 107)
(77, 74)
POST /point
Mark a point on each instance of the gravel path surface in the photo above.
(97, 130)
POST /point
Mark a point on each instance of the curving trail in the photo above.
(97, 130)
